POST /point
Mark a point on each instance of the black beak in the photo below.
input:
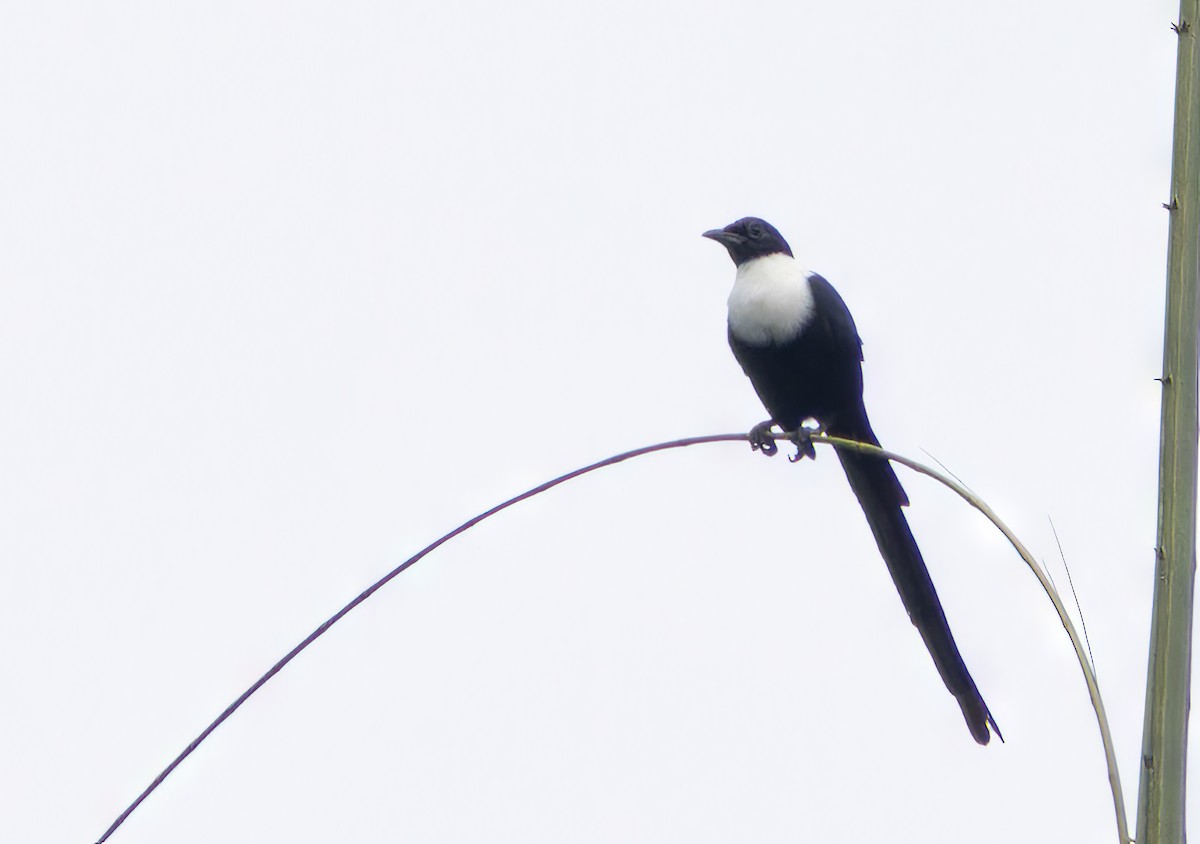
(725, 238)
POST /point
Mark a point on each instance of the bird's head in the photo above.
(750, 238)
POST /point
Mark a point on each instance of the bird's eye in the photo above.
(754, 230)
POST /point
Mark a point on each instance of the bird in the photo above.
(795, 339)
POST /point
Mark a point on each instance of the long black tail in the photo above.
(879, 492)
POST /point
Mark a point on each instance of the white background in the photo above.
(289, 289)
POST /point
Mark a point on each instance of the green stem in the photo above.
(1161, 791)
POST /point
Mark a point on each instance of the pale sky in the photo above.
(290, 289)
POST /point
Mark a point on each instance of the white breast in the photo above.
(771, 300)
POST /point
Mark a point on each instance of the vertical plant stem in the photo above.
(1161, 786)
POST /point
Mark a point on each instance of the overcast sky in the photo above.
(289, 289)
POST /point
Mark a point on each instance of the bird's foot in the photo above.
(762, 440)
(802, 439)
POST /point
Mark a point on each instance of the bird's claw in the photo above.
(762, 440)
(802, 439)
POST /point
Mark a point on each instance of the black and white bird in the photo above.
(796, 341)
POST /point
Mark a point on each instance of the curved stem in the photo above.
(973, 500)
(1089, 676)
(374, 587)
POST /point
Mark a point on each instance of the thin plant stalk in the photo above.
(1085, 665)
(967, 495)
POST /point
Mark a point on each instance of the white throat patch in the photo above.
(771, 300)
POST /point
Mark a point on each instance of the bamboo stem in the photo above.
(1161, 787)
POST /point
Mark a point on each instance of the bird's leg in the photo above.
(802, 439)
(761, 439)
